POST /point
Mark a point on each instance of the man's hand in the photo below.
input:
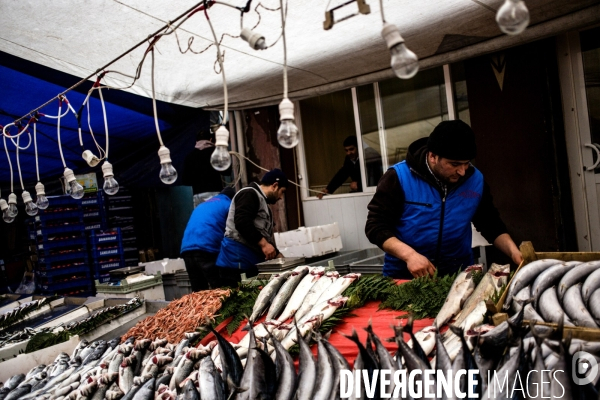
(419, 266)
(267, 249)
(320, 195)
(354, 186)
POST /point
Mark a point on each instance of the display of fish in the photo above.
(525, 276)
(578, 274)
(267, 294)
(305, 285)
(314, 293)
(550, 277)
(286, 291)
(461, 289)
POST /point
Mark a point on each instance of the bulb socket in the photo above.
(286, 110)
(222, 136)
(164, 154)
(107, 170)
(391, 35)
(39, 189)
(12, 198)
(253, 39)
(26, 197)
(90, 158)
(3, 205)
(69, 175)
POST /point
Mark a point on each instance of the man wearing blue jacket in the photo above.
(422, 210)
(202, 240)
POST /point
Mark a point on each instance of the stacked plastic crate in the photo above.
(94, 212)
(119, 211)
(106, 253)
(62, 253)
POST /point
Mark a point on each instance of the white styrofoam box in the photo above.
(156, 292)
(165, 266)
(313, 249)
(304, 235)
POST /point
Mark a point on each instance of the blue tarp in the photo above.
(133, 142)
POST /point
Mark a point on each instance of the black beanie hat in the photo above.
(350, 141)
(275, 175)
(454, 140)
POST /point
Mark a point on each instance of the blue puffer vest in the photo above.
(206, 226)
(436, 227)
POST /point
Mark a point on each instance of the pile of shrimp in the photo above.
(180, 316)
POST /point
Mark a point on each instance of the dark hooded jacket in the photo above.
(387, 205)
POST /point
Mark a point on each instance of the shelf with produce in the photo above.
(48, 261)
(67, 240)
(76, 281)
(63, 276)
(101, 267)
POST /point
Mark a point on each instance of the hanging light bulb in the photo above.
(12, 205)
(513, 17)
(30, 207)
(287, 134)
(404, 62)
(5, 215)
(41, 200)
(74, 189)
(167, 174)
(220, 158)
(110, 186)
(254, 39)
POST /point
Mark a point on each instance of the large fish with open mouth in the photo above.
(461, 289)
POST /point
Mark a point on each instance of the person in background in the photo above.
(351, 168)
(198, 172)
(249, 238)
(202, 240)
(422, 210)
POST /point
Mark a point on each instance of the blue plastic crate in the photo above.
(95, 225)
(48, 261)
(100, 266)
(49, 216)
(103, 252)
(75, 283)
(95, 199)
(102, 278)
(56, 242)
(47, 232)
(110, 236)
(64, 200)
(58, 275)
(83, 289)
(45, 272)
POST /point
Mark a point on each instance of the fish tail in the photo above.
(409, 324)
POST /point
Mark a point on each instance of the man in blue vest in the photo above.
(202, 240)
(249, 238)
(422, 210)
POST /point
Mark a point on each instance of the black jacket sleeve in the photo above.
(487, 218)
(246, 208)
(340, 176)
(385, 209)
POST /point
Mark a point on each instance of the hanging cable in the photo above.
(381, 9)
(285, 80)
(19, 165)
(154, 100)
(37, 168)
(9, 164)
(220, 60)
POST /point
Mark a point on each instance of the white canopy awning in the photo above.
(78, 37)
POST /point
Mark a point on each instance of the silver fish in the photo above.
(550, 309)
(550, 277)
(520, 298)
(126, 375)
(286, 291)
(308, 370)
(324, 383)
(286, 372)
(525, 276)
(211, 385)
(574, 276)
(146, 392)
(314, 293)
(594, 304)
(14, 381)
(267, 294)
(592, 282)
(575, 309)
(295, 302)
(191, 393)
(461, 289)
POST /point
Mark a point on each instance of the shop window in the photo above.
(410, 110)
(369, 127)
(590, 51)
(326, 121)
(461, 100)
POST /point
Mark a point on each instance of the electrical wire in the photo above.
(19, 165)
(37, 169)
(239, 156)
(9, 165)
(381, 9)
(154, 101)
(62, 157)
(220, 60)
(283, 18)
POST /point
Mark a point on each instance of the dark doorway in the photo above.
(516, 113)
